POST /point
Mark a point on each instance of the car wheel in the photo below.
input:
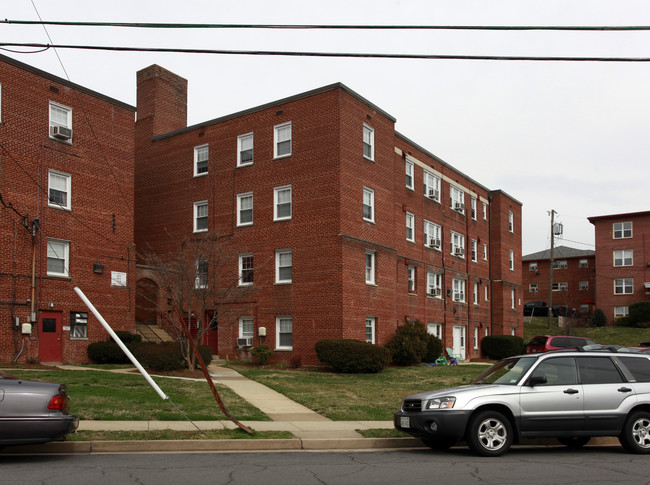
(439, 444)
(635, 436)
(489, 433)
(575, 441)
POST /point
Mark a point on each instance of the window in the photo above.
(410, 227)
(639, 368)
(60, 122)
(431, 186)
(283, 264)
(368, 204)
(559, 371)
(474, 250)
(584, 308)
(512, 298)
(58, 257)
(457, 199)
(201, 156)
(598, 370)
(457, 244)
(370, 329)
(486, 290)
(533, 288)
(473, 207)
(475, 293)
(244, 150)
(532, 267)
(201, 216)
(245, 269)
(201, 277)
(282, 203)
(560, 286)
(511, 260)
(409, 175)
(623, 257)
(434, 284)
(621, 311)
(368, 142)
(560, 264)
(583, 263)
(485, 252)
(246, 327)
(435, 329)
(282, 140)
(411, 278)
(511, 221)
(622, 230)
(284, 333)
(370, 267)
(245, 209)
(458, 289)
(431, 235)
(623, 286)
(475, 338)
(59, 190)
(484, 211)
(583, 285)
(78, 325)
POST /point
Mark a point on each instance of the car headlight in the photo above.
(441, 403)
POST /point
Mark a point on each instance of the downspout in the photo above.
(32, 313)
(490, 263)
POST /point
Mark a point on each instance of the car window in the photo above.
(561, 342)
(559, 371)
(639, 368)
(507, 371)
(598, 370)
(538, 341)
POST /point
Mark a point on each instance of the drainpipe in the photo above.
(32, 313)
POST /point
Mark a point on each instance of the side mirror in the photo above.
(535, 380)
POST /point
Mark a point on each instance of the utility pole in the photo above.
(550, 279)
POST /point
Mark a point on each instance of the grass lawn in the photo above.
(627, 336)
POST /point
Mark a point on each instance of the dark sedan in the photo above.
(33, 412)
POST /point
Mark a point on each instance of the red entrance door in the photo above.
(49, 337)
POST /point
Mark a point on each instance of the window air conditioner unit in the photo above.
(61, 132)
(459, 251)
(435, 292)
(459, 206)
(435, 243)
(433, 193)
(244, 342)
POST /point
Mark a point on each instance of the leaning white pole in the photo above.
(120, 343)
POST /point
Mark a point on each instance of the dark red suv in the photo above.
(544, 343)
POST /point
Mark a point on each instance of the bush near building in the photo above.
(352, 356)
(412, 344)
(499, 347)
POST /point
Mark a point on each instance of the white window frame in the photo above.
(434, 284)
(511, 222)
(458, 290)
(533, 288)
(369, 142)
(277, 131)
(281, 329)
(624, 284)
(370, 267)
(281, 263)
(485, 211)
(242, 202)
(583, 285)
(533, 266)
(475, 293)
(52, 122)
(485, 252)
(411, 276)
(511, 259)
(432, 234)
(198, 206)
(560, 286)
(435, 329)
(622, 230)
(475, 338)
(560, 264)
(624, 257)
(246, 327)
(201, 154)
(410, 227)
(431, 186)
(276, 202)
(244, 258)
(486, 290)
(456, 196)
(583, 263)
(371, 323)
(78, 325)
(67, 190)
(621, 311)
(513, 298)
(474, 251)
(242, 141)
(473, 208)
(409, 169)
(59, 249)
(201, 276)
(457, 241)
(368, 201)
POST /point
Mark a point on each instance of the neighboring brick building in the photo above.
(574, 278)
(66, 215)
(344, 227)
(622, 261)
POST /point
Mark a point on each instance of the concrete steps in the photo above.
(152, 333)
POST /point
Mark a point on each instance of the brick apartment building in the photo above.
(66, 215)
(574, 278)
(622, 261)
(342, 227)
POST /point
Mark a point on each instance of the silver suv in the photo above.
(569, 395)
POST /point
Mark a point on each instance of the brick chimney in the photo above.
(161, 101)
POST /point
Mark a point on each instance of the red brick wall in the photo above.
(99, 225)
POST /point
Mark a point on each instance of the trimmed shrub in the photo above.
(164, 356)
(501, 346)
(410, 343)
(640, 314)
(599, 319)
(107, 352)
(434, 349)
(352, 356)
(206, 354)
(127, 337)
(261, 353)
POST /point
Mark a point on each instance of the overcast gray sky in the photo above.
(568, 136)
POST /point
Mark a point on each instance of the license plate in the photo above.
(405, 422)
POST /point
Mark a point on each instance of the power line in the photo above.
(330, 54)
(150, 25)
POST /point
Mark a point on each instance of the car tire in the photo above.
(575, 442)
(489, 433)
(635, 436)
(441, 444)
